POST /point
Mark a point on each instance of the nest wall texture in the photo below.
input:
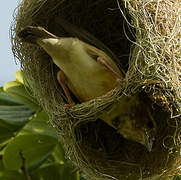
(152, 61)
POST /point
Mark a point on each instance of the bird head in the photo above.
(142, 134)
(136, 122)
(56, 47)
(31, 34)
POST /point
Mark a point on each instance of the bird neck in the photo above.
(57, 48)
(64, 51)
(50, 45)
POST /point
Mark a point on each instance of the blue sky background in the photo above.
(7, 63)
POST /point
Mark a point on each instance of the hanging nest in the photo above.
(146, 38)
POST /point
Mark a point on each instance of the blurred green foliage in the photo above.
(30, 149)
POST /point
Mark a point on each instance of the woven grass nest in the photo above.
(146, 38)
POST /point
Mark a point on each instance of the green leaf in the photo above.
(7, 100)
(9, 175)
(10, 127)
(69, 173)
(22, 94)
(177, 177)
(48, 172)
(39, 125)
(1, 89)
(59, 154)
(35, 150)
(5, 134)
(16, 115)
(55, 172)
(19, 76)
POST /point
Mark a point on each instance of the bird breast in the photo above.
(86, 78)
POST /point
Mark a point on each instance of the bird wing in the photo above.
(95, 53)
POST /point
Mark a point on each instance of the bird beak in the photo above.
(148, 141)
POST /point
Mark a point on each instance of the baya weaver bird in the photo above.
(88, 73)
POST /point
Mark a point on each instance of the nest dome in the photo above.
(145, 38)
